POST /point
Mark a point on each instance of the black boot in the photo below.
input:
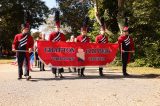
(79, 71)
(82, 72)
(40, 65)
(69, 69)
(28, 77)
(43, 67)
(54, 71)
(60, 72)
(61, 76)
(75, 70)
(20, 77)
(125, 74)
(101, 72)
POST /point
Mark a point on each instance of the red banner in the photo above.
(76, 54)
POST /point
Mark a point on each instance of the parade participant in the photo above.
(126, 46)
(23, 44)
(37, 61)
(72, 39)
(101, 38)
(84, 39)
(42, 38)
(56, 37)
(41, 64)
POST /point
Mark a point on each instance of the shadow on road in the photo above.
(107, 76)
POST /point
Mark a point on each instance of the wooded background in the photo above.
(142, 17)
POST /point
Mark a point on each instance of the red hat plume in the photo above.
(125, 28)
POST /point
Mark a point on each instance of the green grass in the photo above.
(6, 60)
(137, 70)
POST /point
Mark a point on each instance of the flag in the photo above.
(32, 59)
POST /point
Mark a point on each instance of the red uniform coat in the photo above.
(126, 44)
(28, 44)
(55, 37)
(82, 38)
(18, 37)
(101, 39)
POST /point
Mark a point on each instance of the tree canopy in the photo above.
(73, 13)
(12, 13)
(142, 17)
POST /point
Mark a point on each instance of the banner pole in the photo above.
(121, 51)
(23, 51)
(129, 51)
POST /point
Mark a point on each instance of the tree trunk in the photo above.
(120, 16)
(98, 18)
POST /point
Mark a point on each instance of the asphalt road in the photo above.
(45, 90)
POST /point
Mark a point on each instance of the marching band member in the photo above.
(103, 39)
(41, 64)
(22, 43)
(56, 37)
(126, 46)
(72, 39)
(84, 39)
(37, 61)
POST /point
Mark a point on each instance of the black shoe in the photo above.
(19, 78)
(101, 75)
(43, 70)
(75, 70)
(79, 73)
(28, 77)
(61, 76)
(82, 75)
(126, 74)
(54, 71)
(55, 75)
